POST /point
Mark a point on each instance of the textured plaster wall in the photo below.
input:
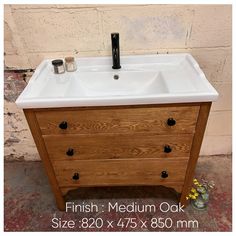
(35, 32)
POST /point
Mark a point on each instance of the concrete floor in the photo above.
(29, 203)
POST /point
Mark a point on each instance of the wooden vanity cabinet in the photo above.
(119, 145)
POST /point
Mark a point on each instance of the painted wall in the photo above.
(35, 32)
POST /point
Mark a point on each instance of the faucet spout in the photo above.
(115, 50)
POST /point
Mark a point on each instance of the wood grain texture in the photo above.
(120, 172)
(196, 146)
(117, 146)
(35, 130)
(120, 145)
(119, 120)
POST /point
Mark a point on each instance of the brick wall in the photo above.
(35, 32)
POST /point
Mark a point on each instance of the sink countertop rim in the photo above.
(211, 95)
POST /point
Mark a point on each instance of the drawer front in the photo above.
(119, 120)
(105, 146)
(119, 172)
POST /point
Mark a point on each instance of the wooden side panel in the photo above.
(196, 146)
(35, 130)
(119, 120)
(120, 172)
(111, 146)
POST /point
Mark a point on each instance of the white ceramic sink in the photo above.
(120, 83)
(144, 79)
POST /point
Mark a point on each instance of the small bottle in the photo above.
(58, 66)
(70, 64)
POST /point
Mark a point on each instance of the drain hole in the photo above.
(116, 77)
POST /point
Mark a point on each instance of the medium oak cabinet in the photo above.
(119, 145)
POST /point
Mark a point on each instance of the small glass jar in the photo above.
(70, 64)
(58, 66)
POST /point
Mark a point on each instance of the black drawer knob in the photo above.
(164, 174)
(167, 149)
(75, 176)
(70, 152)
(171, 122)
(63, 125)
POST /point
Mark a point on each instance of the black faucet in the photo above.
(115, 50)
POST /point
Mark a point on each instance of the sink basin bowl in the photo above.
(120, 83)
(143, 79)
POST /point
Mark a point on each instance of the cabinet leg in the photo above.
(60, 201)
(183, 201)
